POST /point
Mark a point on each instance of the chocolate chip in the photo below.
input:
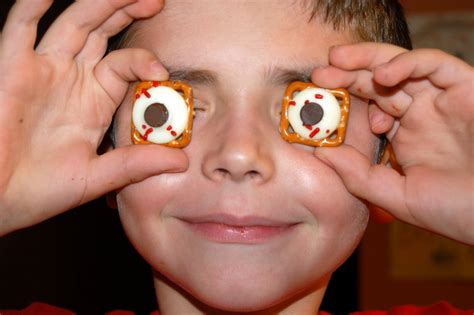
(311, 114)
(156, 115)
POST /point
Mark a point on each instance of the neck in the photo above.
(174, 300)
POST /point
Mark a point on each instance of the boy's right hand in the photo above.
(56, 103)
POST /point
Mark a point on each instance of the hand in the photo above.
(424, 101)
(56, 103)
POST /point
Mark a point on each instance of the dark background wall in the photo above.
(82, 261)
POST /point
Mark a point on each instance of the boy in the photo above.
(239, 220)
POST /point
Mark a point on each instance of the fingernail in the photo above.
(158, 68)
(378, 122)
(376, 118)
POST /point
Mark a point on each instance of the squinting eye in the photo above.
(311, 115)
(161, 114)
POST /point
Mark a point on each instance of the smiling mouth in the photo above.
(246, 230)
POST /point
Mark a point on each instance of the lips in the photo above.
(225, 228)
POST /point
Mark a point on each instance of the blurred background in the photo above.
(82, 261)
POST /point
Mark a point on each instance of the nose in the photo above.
(239, 151)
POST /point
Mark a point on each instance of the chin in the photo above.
(242, 301)
(270, 294)
(245, 281)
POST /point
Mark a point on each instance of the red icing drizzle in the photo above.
(306, 102)
(144, 91)
(309, 127)
(292, 103)
(318, 96)
(147, 133)
(143, 126)
(327, 130)
(173, 133)
(315, 132)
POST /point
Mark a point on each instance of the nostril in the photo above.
(221, 173)
(238, 163)
(253, 174)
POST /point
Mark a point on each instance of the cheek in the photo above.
(338, 218)
(322, 192)
(143, 212)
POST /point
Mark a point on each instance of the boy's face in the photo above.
(254, 220)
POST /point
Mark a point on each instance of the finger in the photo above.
(378, 184)
(331, 77)
(387, 189)
(69, 32)
(20, 30)
(393, 100)
(439, 67)
(362, 55)
(96, 44)
(123, 66)
(380, 121)
(131, 164)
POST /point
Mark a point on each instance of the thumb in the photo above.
(131, 164)
(378, 184)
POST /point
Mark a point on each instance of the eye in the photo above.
(314, 113)
(199, 107)
(161, 114)
(314, 116)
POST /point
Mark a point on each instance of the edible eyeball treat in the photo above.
(314, 115)
(161, 114)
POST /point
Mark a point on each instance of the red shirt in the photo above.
(441, 308)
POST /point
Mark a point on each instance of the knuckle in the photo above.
(433, 52)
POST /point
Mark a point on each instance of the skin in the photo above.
(74, 96)
(436, 189)
(77, 90)
(248, 169)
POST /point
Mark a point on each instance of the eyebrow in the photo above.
(195, 76)
(271, 75)
(282, 76)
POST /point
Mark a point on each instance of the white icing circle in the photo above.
(330, 120)
(177, 114)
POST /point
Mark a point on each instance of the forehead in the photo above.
(234, 35)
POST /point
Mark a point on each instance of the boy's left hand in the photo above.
(425, 104)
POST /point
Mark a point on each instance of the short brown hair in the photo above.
(371, 20)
